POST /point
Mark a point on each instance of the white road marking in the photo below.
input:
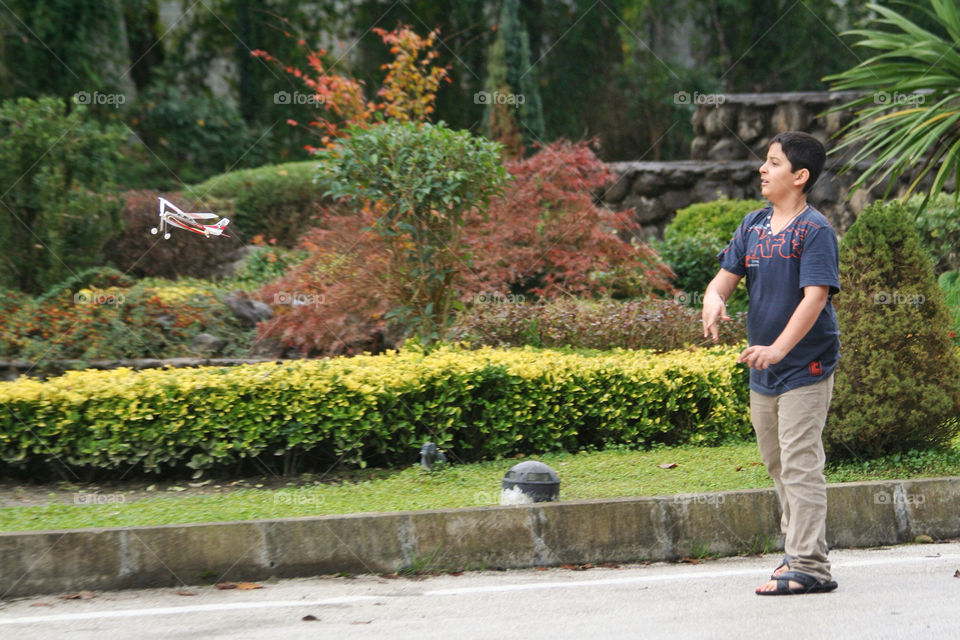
(503, 588)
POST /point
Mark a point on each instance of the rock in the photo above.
(728, 149)
(616, 191)
(789, 116)
(267, 348)
(751, 124)
(699, 148)
(647, 183)
(166, 321)
(248, 311)
(647, 210)
(208, 343)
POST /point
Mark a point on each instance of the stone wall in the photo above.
(731, 138)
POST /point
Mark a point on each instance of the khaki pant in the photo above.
(789, 431)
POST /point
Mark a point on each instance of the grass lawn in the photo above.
(605, 474)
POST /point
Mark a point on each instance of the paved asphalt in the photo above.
(900, 592)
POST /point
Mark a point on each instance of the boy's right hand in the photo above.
(714, 311)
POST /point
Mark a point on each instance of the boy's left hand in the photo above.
(760, 357)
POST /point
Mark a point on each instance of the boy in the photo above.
(788, 253)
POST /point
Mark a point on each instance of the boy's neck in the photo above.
(789, 207)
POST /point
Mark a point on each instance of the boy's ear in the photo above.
(800, 177)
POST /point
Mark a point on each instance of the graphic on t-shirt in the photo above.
(767, 242)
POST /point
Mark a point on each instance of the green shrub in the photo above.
(693, 239)
(103, 314)
(660, 325)
(898, 383)
(191, 133)
(949, 282)
(56, 183)
(477, 405)
(718, 218)
(939, 227)
(276, 201)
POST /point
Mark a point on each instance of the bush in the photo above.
(693, 239)
(478, 405)
(898, 383)
(939, 227)
(56, 176)
(545, 237)
(656, 324)
(949, 282)
(276, 201)
(102, 314)
(718, 218)
(137, 252)
(191, 134)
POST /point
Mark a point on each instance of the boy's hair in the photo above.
(804, 152)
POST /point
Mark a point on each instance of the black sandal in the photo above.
(810, 585)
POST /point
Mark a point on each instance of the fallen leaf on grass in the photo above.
(80, 595)
(740, 468)
(668, 465)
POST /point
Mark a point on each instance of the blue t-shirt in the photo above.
(777, 267)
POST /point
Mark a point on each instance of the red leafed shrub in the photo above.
(544, 238)
(547, 237)
(656, 323)
(137, 252)
(336, 301)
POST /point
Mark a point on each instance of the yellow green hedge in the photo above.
(477, 404)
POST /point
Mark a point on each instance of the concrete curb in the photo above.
(861, 514)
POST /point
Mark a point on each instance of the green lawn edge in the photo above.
(613, 473)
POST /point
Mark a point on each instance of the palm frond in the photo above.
(908, 64)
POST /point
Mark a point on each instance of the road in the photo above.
(901, 592)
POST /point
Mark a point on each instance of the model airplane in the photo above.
(172, 216)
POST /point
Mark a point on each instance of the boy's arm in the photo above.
(715, 302)
(803, 318)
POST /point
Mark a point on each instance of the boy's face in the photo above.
(778, 180)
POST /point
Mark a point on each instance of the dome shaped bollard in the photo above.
(530, 482)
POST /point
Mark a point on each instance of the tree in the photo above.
(422, 180)
(61, 47)
(910, 116)
(514, 112)
(898, 382)
(57, 208)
